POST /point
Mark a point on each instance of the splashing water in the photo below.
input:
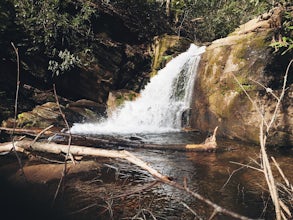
(161, 104)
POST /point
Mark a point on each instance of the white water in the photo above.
(161, 104)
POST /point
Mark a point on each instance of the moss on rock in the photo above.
(243, 55)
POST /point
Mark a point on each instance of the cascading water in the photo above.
(160, 105)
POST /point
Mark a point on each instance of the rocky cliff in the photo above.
(244, 61)
(127, 34)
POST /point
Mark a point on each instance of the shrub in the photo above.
(59, 29)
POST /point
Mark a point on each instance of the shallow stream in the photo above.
(220, 176)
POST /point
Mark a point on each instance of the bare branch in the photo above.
(190, 209)
(268, 90)
(17, 84)
(281, 172)
(247, 166)
(40, 133)
(83, 151)
(281, 97)
(15, 108)
(250, 99)
(267, 170)
(68, 154)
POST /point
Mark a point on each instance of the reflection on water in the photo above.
(213, 175)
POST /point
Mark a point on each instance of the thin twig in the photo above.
(247, 166)
(231, 174)
(216, 207)
(16, 109)
(242, 166)
(144, 188)
(282, 204)
(82, 209)
(17, 85)
(267, 170)
(83, 151)
(285, 208)
(48, 160)
(281, 97)
(281, 172)
(141, 211)
(40, 133)
(69, 144)
(268, 90)
(190, 209)
(181, 23)
(250, 99)
(213, 214)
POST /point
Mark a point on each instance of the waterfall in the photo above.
(160, 106)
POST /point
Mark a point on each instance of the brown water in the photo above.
(119, 190)
(216, 176)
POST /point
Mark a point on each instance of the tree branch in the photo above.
(87, 151)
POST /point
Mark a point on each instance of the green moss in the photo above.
(89, 113)
(214, 63)
(245, 83)
(132, 96)
(224, 87)
(119, 100)
(26, 119)
(159, 48)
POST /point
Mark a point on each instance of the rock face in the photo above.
(243, 56)
(117, 98)
(124, 31)
(164, 48)
(120, 58)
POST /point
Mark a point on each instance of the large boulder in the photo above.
(244, 56)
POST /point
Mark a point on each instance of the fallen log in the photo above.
(209, 145)
(75, 150)
(27, 131)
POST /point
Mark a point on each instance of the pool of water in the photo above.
(117, 189)
(220, 176)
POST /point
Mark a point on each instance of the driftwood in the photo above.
(26, 131)
(209, 145)
(24, 146)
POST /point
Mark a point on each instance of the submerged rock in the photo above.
(219, 100)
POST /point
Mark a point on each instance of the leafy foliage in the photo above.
(8, 28)
(68, 61)
(207, 20)
(65, 32)
(60, 29)
(285, 42)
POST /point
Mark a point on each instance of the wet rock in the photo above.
(41, 116)
(48, 114)
(220, 101)
(117, 98)
(164, 48)
(86, 109)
